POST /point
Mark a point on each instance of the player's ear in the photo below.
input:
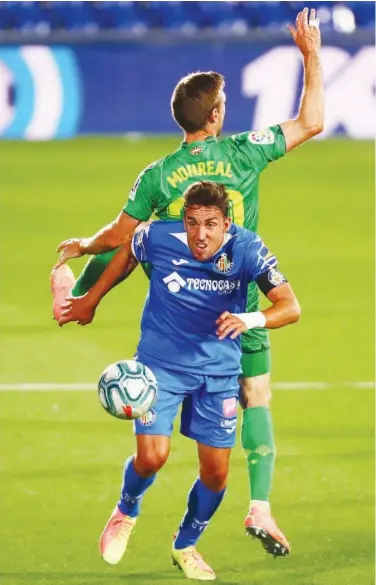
(227, 223)
(214, 115)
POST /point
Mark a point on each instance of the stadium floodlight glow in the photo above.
(343, 19)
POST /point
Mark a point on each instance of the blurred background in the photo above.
(78, 68)
(85, 93)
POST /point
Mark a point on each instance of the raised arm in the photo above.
(310, 119)
(108, 238)
(138, 208)
(82, 309)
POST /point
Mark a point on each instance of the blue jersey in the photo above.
(186, 297)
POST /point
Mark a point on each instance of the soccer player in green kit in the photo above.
(198, 107)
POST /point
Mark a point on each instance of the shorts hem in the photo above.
(208, 442)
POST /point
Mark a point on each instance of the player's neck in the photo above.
(198, 136)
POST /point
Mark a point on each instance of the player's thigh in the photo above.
(256, 365)
(159, 419)
(214, 465)
(172, 388)
(209, 414)
(255, 391)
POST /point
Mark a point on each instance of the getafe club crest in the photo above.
(223, 263)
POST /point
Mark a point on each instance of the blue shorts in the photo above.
(209, 407)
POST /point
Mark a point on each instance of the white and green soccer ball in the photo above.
(127, 389)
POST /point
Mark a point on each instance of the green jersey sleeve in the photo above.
(261, 147)
(142, 199)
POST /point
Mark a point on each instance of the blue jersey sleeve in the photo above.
(259, 259)
(141, 244)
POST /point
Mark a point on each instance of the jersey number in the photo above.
(175, 209)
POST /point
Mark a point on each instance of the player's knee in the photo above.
(255, 391)
(215, 478)
(151, 459)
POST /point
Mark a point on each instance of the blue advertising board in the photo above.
(61, 91)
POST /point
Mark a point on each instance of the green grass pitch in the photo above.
(62, 455)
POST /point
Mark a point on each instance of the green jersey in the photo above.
(236, 162)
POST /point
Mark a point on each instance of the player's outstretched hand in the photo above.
(78, 309)
(228, 323)
(307, 33)
(69, 249)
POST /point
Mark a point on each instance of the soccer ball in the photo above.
(127, 389)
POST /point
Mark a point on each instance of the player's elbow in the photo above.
(295, 311)
(315, 129)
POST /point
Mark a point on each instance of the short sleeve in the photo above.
(141, 199)
(261, 147)
(258, 259)
(141, 244)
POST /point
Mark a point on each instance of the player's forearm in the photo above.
(108, 238)
(282, 312)
(311, 111)
(121, 265)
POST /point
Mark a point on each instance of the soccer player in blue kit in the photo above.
(192, 320)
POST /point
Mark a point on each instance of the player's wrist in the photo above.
(84, 245)
(252, 320)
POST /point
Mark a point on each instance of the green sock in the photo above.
(258, 444)
(92, 271)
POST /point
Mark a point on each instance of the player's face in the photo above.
(205, 227)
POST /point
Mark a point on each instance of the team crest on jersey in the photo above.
(275, 277)
(261, 137)
(223, 263)
(195, 150)
(148, 418)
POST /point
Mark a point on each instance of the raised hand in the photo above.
(69, 249)
(307, 34)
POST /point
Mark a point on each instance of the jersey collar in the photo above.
(207, 140)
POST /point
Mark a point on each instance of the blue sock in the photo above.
(134, 487)
(202, 504)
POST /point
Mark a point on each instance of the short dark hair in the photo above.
(195, 97)
(207, 194)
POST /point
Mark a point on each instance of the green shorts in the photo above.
(256, 358)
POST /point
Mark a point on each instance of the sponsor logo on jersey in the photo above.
(195, 150)
(222, 287)
(223, 263)
(174, 282)
(180, 262)
(261, 137)
(275, 277)
(148, 418)
(230, 407)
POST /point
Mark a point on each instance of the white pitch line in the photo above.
(89, 387)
